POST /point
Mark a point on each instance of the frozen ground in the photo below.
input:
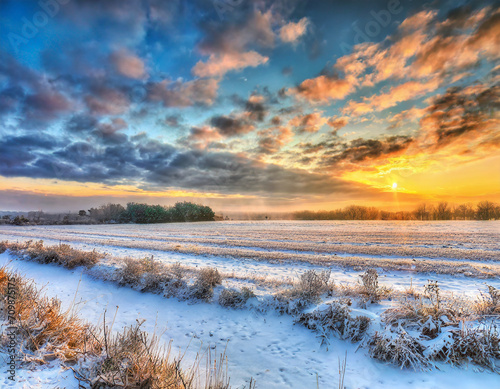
(270, 348)
(267, 347)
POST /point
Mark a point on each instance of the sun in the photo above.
(394, 185)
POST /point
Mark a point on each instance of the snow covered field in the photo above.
(264, 345)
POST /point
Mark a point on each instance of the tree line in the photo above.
(116, 213)
(144, 213)
(484, 210)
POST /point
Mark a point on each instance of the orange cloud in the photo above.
(311, 122)
(218, 65)
(291, 32)
(403, 92)
(201, 137)
(323, 88)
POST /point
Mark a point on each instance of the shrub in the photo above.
(203, 287)
(336, 319)
(134, 359)
(235, 298)
(489, 304)
(477, 345)
(370, 283)
(313, 284)
(402, 350)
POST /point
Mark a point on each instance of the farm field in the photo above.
(276, 340)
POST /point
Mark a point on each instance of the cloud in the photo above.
(219, 64)
(231, 126)
(360, 150)
(256, 108)
(228, 45)
(271, 140)
(106, 100)
(463, 116)
(202, 137)
(128, 64)
(397, 94)
(408, 115)
(183, 94)
(338, 122)
(311, 122)
(291, 32)
(323, 88)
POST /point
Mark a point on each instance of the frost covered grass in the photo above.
(61, 254)
(44, 330)
(468, 248)
(434, 327)
(99, 358)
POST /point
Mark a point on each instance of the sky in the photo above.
(248, 105)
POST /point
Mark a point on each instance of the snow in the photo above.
(265, 346)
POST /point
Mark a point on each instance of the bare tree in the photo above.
(485, 210)
(443, 211)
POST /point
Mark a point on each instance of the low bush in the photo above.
(133, 359)
(307, 290)
(400, 349)
(235, 298)
(203, 287)
(336, 318)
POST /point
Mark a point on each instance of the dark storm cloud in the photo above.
(361, 149)
(155, 163)
(227, 173)
(458, 113)
(257, 110)
(230, 126)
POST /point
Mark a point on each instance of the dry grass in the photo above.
(368, 291)
(61, 254)
(488, 303)
(206, 280)
(430, 311)
(304, 292)
(136, 359)
(130, 359)
(46, 332)
(133, 359)
(149, 275)
(433, 315)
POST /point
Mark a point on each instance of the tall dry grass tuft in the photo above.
(134, 359)
(45, 330)
(488, 303)
(402, 350)
(206, 280)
